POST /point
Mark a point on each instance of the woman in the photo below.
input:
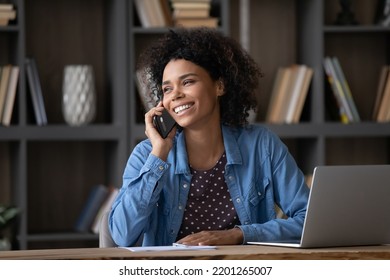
(215, 180)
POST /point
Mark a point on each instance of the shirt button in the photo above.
(238, 200)
(259, 193)
(180, 207)
(185, 186)
(171, 231)
(246, 222)
(161, 167)
(231, 178)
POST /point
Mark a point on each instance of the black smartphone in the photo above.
(164, 123)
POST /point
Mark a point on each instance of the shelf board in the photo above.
(300, 130)
(156, 30)
(150, 30)
(9, 28)
(356, 29)
(62, 132)
(363, 129)
(65, 236)
(312, 130)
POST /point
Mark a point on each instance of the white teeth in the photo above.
(181, 108)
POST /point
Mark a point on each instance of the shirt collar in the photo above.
(232, 149)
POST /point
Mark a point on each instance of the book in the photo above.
(153, 13)
(161, 11)
(36, 91)
(303, 94)
(387, 92)
(93, 203)
(167, 13)
(6, 7)
(41, 103)
(10, 96)
(191, 13)
(346, 90)
(105, 207)
(33, 92)
(143, 13)
(279, 95)
(4, 80)
(345, 116)
(275, 99)
(384, 108)
(191, 4)
(288, 94)
(157, 13)
(340, 92)
(191, 9)
(295, 91)
(190, 1)
(379, 94)
(6, 15)
(211, 22)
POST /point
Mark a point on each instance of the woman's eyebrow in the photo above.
(182, 77)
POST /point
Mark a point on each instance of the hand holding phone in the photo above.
(164, 123)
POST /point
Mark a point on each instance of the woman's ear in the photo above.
(220, 88)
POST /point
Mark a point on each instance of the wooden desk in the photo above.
(244, 252)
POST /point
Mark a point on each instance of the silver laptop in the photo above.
(348, 206)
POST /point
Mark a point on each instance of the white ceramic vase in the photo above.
(78, 95)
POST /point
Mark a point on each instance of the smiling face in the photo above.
(190, 95)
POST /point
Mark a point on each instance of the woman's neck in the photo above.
(204, 147)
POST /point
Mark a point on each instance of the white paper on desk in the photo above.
(168, 248)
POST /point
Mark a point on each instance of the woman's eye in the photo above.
(187, 82)
(166, 89)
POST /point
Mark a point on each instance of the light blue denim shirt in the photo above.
(260, 172)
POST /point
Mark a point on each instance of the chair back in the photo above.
(105, 239)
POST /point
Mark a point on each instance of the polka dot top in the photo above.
(209, 205)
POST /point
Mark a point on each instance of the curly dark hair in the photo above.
(221, 56)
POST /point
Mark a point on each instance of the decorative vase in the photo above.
(78, 95)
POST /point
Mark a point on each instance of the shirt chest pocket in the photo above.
(258, 191)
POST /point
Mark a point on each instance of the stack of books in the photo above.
(289, 94)
(193, 13)
(7, 13)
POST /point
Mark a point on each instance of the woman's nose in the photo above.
(176, 94)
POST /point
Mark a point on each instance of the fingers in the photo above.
(160, 146)
(216, 237)
(152, 112)
(201, 238)
(149, 127)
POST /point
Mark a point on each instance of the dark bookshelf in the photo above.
(47, 171)
(362, 50)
